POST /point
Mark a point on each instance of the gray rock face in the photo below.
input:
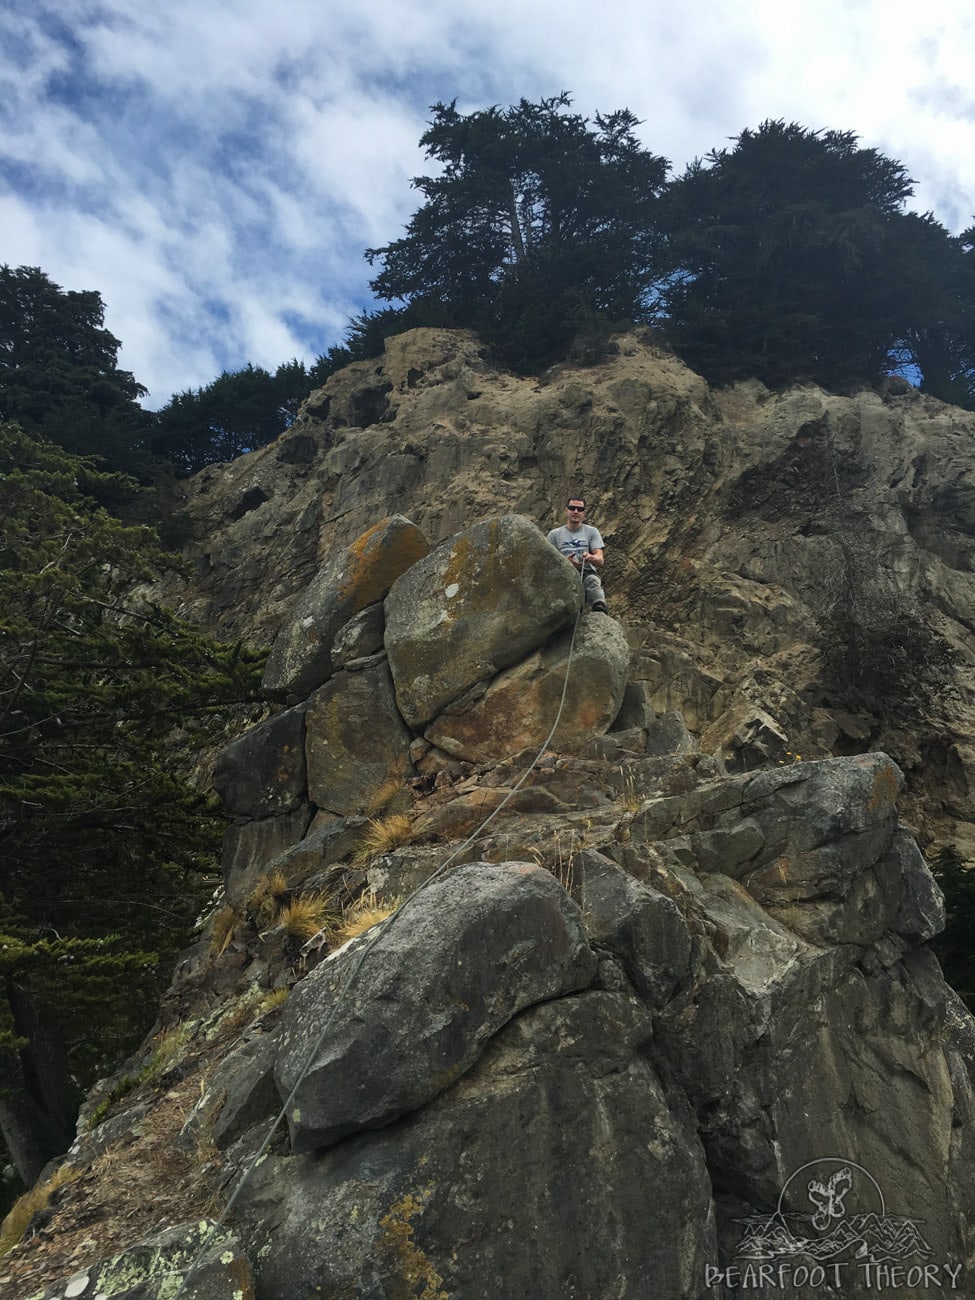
(519, 707)
(809, 841)
(763, 1000)
(452, 621)
(500, 577)
(263, 773)
(355, 739)
(359, 575)
(361, 636)
(478, 947)
(639, 925)
(554, 1167)
(248, 847)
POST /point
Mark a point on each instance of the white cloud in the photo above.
(217, 170)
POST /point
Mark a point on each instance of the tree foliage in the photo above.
(787, 259)
(237, 412)
(59, 375)
(538, 220)
(105, 850)
(954, 946)
(939, 271)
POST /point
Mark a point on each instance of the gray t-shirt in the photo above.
(585, 538)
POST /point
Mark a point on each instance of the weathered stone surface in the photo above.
(557, 1166)
(239, 1093)
(725, 552)
(635, 709)
(359, 575)
(361, 636)
(501, 577)
(803, 1019)
(355, 739)
(519, 707)
(263, 773)
(249, 848)
(668, 734)
(475, 948)
(154, 1269)
(323, 845)
(809, 841)
(810, 1061)
(641, 926)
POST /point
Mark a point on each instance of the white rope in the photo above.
(379, 931)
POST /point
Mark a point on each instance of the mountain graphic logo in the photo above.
(832, 1209)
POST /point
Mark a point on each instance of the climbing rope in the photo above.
(379, 931)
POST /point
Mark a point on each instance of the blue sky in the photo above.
(215, 168)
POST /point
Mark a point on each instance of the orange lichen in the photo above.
(886, 787)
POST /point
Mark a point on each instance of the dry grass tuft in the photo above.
(559, 860)
(307, 915)
(381, 835)
(383, 795)
(270, 897)
(276, 998)
(363, 915)
(631, 797)
(224, 924)
(32, 1202)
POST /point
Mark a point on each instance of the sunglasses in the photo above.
(576, 509)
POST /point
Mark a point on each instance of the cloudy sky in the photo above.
(215, 168)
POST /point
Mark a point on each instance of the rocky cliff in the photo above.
(649, 1009)
(794, 571)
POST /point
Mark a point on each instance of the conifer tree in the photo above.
(235, 413)
(792, 259)
(59, 373)
(539, 223)
(106, 852)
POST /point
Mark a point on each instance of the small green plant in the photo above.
(168, 1046)
(125, 1085)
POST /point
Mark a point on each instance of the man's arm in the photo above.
(594, 554)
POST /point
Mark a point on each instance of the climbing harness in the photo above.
(379, 931)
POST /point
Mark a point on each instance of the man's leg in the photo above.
(595, 596)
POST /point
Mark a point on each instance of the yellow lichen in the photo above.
(413, 1268)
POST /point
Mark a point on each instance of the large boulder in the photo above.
(518, 708)
(557, 1166)
(462, 959)
(355, 740)
(814, 843)
(359, 575)
(476, 604)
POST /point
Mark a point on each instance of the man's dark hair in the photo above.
(575, 497)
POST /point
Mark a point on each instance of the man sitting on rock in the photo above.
(581, 544)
